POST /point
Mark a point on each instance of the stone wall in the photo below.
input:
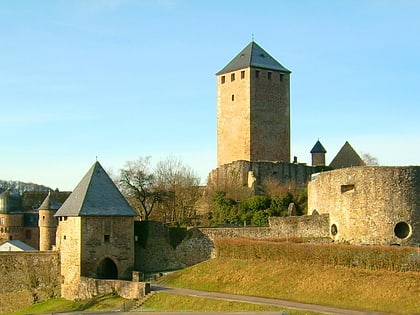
(369, 205)
(157, 253)
(28, 277)
(252, 174)
(89, 288)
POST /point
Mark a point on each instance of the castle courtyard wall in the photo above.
(28, 277)
(369, 205)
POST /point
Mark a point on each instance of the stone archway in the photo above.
(107, 269)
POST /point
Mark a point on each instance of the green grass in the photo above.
(101, 302)
(165, 301)
(353, 288)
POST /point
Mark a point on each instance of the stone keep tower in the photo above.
(253, 108)
(95, 234)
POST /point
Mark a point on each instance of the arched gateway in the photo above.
(107, 269)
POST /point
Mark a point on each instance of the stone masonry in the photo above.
(369, 205)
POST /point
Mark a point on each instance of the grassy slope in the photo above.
(355, 288)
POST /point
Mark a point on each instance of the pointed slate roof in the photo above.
(318, 148)
(96, 195)
(346, 157)
(253, 56)
(49, 203)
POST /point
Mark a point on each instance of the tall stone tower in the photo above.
(253, 108)
(47, 223)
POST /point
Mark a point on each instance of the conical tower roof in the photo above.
(253, 56)
(49, 203)
(96, 195)
(318, 148)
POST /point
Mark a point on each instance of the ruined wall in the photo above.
(89, 288)
(245, 173)
(157, 253)
(154, 251)
(372, 205)
(28, 277)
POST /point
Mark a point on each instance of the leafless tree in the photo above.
(181, 185)
(369, 159)
(138, 183)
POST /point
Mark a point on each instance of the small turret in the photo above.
(47, 222)
(318, 154)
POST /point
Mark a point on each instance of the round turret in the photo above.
(47, 223)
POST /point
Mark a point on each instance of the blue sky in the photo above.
(119, 79)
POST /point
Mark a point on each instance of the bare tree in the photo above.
(138, 183)
(369, 159)
(181, 186)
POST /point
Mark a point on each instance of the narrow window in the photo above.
(346, 188)
(232, 77)
(222, 79)
(281, 77)
(64, 237)
(106, 238)
(233, 97)
(257, 73)
(10, 237)
(1, 221)
(243, 74)
(269, 75)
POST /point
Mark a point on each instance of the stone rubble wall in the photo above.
(28, 277)
(89, 287)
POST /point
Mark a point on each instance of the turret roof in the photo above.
(49, 203)
(96, 195)
(253, 56)
(318, 148)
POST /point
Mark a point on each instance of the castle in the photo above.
(93, 228)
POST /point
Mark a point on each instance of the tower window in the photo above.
(222, 79)
(106, 238)
(281, 77)
(232, 77)
(233, 97)
(257, 73)
(243, 74)
(269, 75)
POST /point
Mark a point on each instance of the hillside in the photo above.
(306, 275)
(18, 187)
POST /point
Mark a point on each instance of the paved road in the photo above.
(257, 300)
(237, 298)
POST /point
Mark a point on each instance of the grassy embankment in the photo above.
(352, 277)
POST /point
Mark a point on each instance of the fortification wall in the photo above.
(372, 205)
(157, 253)
(28, 277)
(252, 174)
